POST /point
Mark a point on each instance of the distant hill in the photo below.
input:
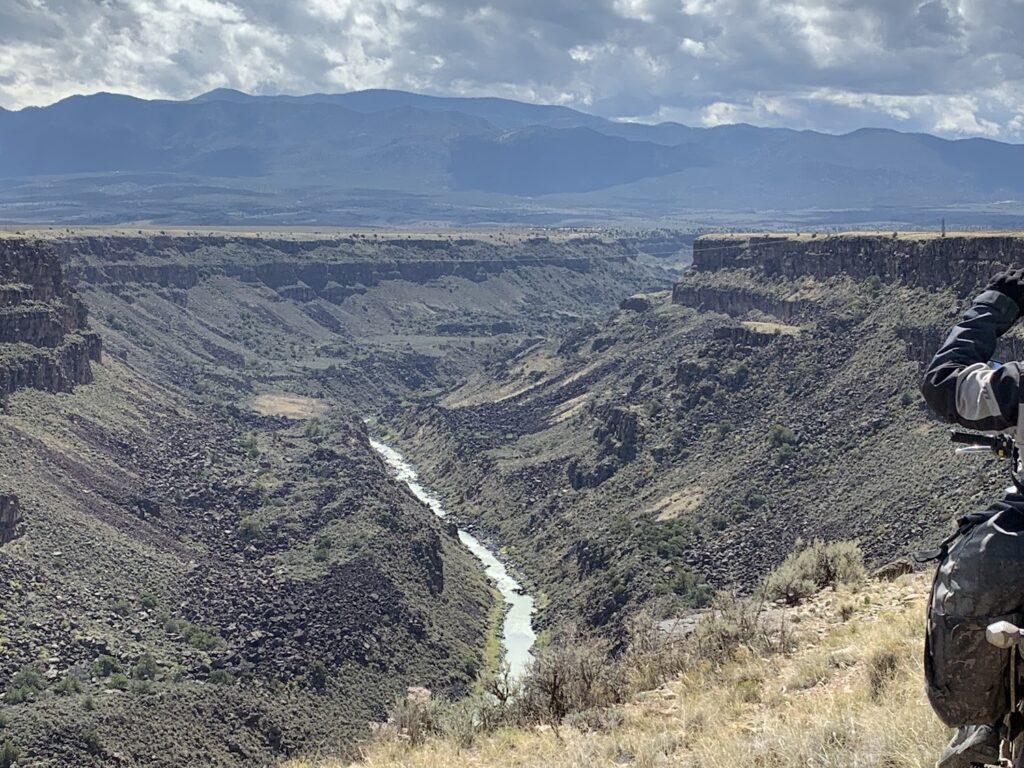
(389, 156)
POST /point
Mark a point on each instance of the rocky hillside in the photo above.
(695, 435)
(201, 582)
(216, 568)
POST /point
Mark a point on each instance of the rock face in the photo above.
(738, 301)
(44, 338)
(330, 268)
(925, 262)
(790, 272)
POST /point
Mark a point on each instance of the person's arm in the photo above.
(960, 384)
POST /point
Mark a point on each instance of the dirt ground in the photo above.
(289, 406)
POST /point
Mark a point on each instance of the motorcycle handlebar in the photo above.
(967, 438)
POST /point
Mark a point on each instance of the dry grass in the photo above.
(290, 406)
(679, 503)
(778, 328)
(850, 697)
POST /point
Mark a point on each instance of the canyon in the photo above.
(690, 440)
(207, 559)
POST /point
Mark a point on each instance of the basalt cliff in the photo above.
(45, 341)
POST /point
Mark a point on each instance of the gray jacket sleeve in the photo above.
(960, 383)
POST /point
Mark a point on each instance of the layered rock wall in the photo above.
(332, 269)
(737, 301)
(44, 339)
(960, 262)
(737, 274)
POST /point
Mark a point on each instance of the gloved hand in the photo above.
(1010, 283)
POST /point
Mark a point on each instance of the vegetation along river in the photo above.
(517, 631)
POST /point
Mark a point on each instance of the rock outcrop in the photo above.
(738, 301)
(303, 269)
(45, 342)
(925, 261)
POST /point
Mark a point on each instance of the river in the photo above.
(517, 636)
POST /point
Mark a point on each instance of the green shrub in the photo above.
(144, 668)
(9, 754)
(571, 676)
(734, 622)
(882, 667)
(249, 529)
(16, 695)
(24, 686)
(318, 675)
(104, 666)
(121, 607)
(221, 677)
(203, 638)
(91, 741)
(148, 600)
(29, 677)
(805, 572)
(119, 680)
(250, 447)
(68, 685)
(415, 717)
(784, 454)
(755, 499)
(779, 435)
(322, 553)
(695, 593)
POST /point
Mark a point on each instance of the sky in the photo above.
(950, 67)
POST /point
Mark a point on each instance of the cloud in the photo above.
(949, 66)
(760, 110)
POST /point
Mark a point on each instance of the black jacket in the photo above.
(961, 384)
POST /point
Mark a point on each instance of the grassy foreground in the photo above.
(849, 696)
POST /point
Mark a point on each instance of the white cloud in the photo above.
(960, 117)
(633, 9)
(760, 110)
(693, 47)
(940, 113)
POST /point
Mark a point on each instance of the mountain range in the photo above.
(378, 156)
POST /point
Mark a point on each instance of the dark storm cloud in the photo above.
(950, 66)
